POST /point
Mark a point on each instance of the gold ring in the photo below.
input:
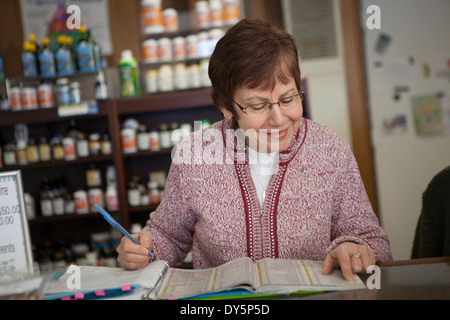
(356, 255)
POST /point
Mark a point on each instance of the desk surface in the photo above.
(407, 280)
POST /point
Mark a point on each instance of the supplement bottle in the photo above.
(151, 16)
(46, 59)
(129, 75)
(63, 57)
(29, 62)
(85, 52)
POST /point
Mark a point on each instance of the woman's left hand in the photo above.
(350, 257)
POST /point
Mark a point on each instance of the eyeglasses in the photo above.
(260, 109)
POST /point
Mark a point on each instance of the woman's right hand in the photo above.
(134, 256)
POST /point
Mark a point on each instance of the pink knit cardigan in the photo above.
(315, 201)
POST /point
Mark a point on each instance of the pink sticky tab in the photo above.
(79, 295)
(66, 298)
(126, 288)
(100, 293)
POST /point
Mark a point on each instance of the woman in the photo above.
(264, 182)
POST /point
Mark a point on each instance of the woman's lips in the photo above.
(279, 134)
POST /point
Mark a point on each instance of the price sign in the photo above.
(15, 247)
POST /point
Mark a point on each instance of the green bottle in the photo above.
(129, 75)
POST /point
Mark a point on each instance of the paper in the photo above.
(97, 279)
(265, 276)
(15, 247)
(428, 115)
(392, 73)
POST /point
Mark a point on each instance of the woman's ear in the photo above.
(226, 113)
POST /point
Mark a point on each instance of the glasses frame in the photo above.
(244, 109)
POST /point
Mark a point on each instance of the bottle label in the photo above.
(86, 60)
(29, 64)
(81, 203)
(129, 78)
(58, 206)
(47, 64)
(46, 207)
(64, 63)
(112, 202)
(44, 152)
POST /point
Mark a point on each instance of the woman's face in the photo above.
(274, 129)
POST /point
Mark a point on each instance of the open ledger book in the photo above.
(241, 276)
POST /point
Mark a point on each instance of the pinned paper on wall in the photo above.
(392, 73)
(395, 124)
(428, 115)
(439, 65)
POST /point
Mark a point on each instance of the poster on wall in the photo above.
(428, 115)
(46, 17)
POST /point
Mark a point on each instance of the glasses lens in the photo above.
(259, 108)
(263, 108)
(289, 102)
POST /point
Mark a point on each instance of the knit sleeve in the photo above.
(353, 218)
(172, 224)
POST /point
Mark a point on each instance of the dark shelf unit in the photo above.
(185, 105)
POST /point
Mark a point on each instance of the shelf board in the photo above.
(147, 153)
(166, 101)
(10, 118)
(149, 208)
(53, 163)
(64, 217)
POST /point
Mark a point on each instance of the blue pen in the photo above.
(116, 225)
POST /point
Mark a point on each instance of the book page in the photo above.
(276, 272)
(301, 275)
(238, 272)
(181, 283)
(264, 276)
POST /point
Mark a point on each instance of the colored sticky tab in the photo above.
(100, 293)
(79, 295)
(126, 288)
(66, 298)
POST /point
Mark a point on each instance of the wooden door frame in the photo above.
(357, 95)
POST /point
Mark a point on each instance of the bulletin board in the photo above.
(15, 246)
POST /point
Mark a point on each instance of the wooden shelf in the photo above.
(10, 118)
(148, 208)
(64, 217)
(187, 102)
(176, 100)
(59, 163)
(147, 153)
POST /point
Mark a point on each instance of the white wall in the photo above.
(405, 163)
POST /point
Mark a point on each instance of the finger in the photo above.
(367, 258)
(357, 263)
(145, 239)
(330, 263)
(346, 266)
(130, 247)
(131, 265)
(131, 261)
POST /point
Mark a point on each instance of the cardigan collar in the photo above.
(235, 144)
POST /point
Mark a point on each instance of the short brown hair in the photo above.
(254, 54)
